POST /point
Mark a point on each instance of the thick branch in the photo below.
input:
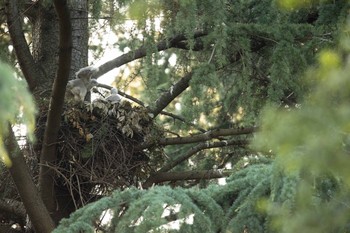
(199, 137)
(48, 153)
(26, 62)
(177, 89)
(199, 147)
(22, 178)
(142, 52)
(171, 94)
(185, 175)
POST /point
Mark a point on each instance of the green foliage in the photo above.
(253, 54)
(316, 150)
(228, 208)
(304, 186)
(16, 107)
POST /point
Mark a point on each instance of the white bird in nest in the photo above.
(114, 97)
(77, 89)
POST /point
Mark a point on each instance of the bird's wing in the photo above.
(113, 99)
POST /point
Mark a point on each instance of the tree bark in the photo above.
(80, 35)
(45, 34)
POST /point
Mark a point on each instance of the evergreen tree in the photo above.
(186, 121)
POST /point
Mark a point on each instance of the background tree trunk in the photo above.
(45, 40)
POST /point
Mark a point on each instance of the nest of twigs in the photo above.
(98, 147)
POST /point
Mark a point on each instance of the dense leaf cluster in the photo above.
(306, 182)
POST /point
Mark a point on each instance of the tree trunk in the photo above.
(45, 53)
(45, 40)
(30, 197)
(45, 46)
(80, 37)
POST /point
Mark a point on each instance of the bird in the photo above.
(77, 89)
(114, 97)
(86, 73)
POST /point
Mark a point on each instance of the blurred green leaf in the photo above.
(16, 107)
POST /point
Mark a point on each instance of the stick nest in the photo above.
(98, 148)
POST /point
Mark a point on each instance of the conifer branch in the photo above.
(26, 61)
(199, 137)
(185, 175)
(200, 147)
(142, 52)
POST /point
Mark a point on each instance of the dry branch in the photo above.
(176, 117)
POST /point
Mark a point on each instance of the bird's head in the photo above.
(86, 72)
(114, 91)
